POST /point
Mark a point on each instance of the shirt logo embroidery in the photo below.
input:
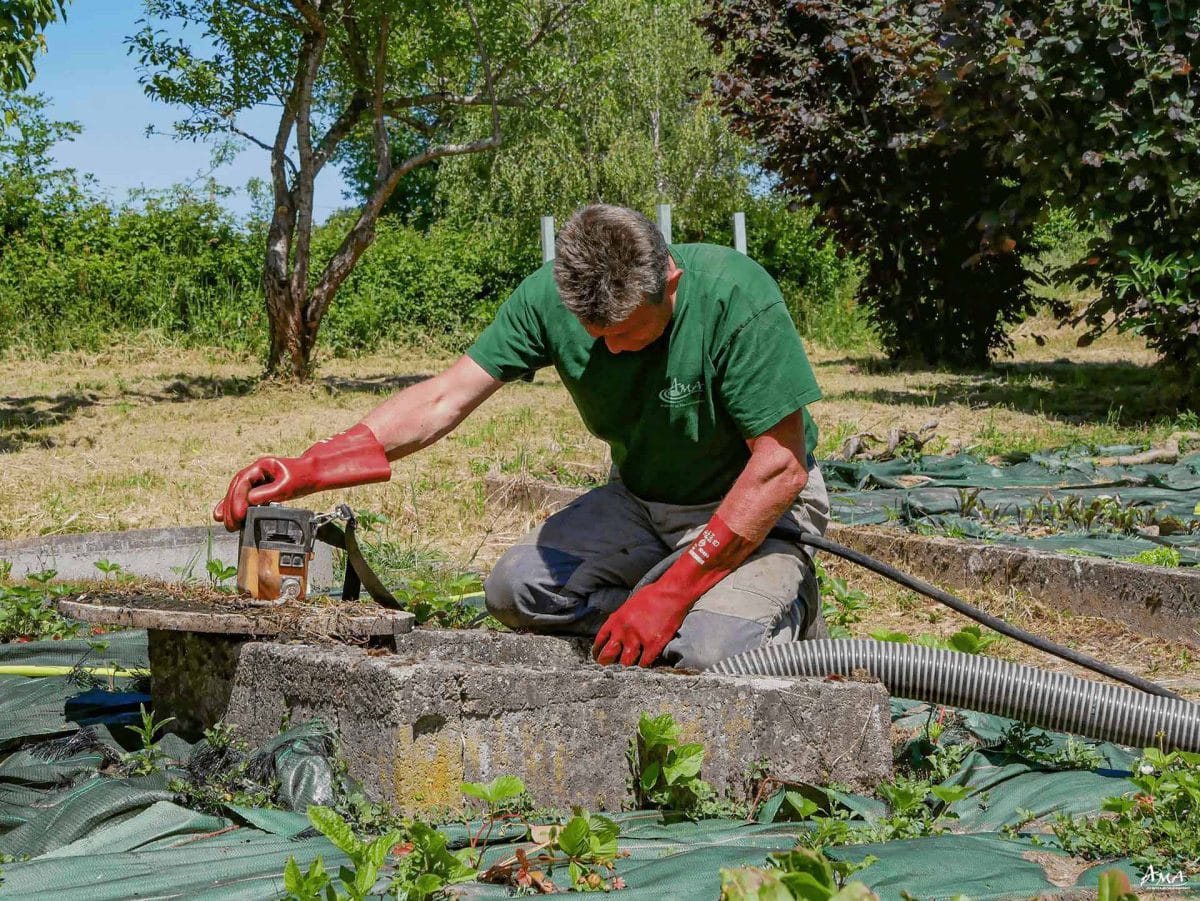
(681, 394)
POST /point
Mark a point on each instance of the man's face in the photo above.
(645, 324)
(638, 330)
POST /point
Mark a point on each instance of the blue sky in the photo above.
(88, 78)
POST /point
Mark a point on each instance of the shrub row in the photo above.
(184, 268)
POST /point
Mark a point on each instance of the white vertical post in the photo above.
(664, 221)
(739, 232)
(547, 238)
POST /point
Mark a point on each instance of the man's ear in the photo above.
(672, 281)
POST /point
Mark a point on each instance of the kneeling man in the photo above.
(684, 359)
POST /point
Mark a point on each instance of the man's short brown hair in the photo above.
(608, 261)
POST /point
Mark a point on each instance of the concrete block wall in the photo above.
(455, 706)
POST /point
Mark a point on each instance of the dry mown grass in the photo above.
(145, 436)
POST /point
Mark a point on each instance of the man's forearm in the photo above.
(767, 487)
(422, 413)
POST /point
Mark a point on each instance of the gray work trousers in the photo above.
(570, 573)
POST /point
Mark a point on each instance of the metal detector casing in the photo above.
(274, 552)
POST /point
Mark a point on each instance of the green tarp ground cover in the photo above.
(89, 835)
(937, 494)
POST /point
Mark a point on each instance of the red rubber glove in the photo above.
(352, 457)
(642, 627)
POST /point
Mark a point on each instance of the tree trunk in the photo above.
(293, 337)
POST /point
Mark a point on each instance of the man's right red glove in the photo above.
(352, 457)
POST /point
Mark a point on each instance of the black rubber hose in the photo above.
(992, 622)
(1047, 699)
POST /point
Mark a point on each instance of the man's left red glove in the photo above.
(644, 625)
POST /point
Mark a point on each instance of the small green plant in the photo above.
(363, 814)
(1075, 755)
(1034, 746)
(1159, 556)
(916, 808)
(967, 640)
(1157, 825)
(86, 674)
(370, 520)
(1026, 741)
(970, 503)
(221, 772)
(1024, 816)
(802, 874)
(841, 605)
(666, 774)
(219, 573)
(108, 567)
(494, 794)
(1104, 513)
(441, 602)
(146, 759)
(313, 885)
(27, 612)
(588, 846)
(186, 572)
(426, 866)
(946, 760)
(971, 640)
(1113, 885)
(356, 880)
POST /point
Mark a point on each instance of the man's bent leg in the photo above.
(570, 573)
(771, 597)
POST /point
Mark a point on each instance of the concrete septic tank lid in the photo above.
(232, 615)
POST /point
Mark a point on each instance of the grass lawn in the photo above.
(147, 435)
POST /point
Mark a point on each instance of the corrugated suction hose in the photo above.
(1050, 700)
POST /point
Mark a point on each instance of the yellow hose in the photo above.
(34, 672)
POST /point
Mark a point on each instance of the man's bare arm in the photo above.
(422, 413)
(406, 422)
(768, 485)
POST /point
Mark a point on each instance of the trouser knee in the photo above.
(523, 590)
(503, 591)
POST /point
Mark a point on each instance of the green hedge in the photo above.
(184, 268)
(181, 268)
(442, 285)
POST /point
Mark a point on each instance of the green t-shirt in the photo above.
(677, 413)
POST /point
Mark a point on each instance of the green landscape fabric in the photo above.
(126, 649)
(245, 865)
(926, 493)
(153, 825)
(33, 708)
(88, 835)
(983, 867)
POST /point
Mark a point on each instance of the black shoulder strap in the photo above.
(358, 572)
